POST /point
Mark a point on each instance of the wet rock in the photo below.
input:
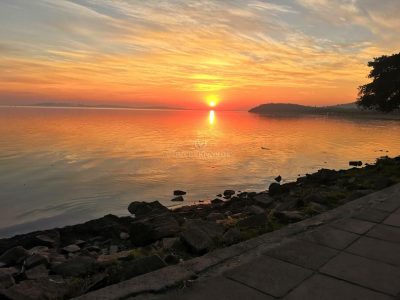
(289, 216)
(274, 188)
(71, 249)
(278, 179)
(14, 256)
(6, 278)
(255, 221)
(217, 201)
(124, 236)
(255, 209)
(179, 193)
(36, 260)
(232, 236)
(229, 193)
(219, 195)
(140, 209)
(178, 199)
(263, 200)
(76, 266)
(355, 163)
(37, 272)
(214, 216)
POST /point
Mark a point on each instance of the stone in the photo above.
(179, 193)
(177, 199)
(316, 198)
(172, 259)
(80, 243)
(365, 272)
(355, 163)
(214, 216)
(278, 179)
(140, 209)
(229, 193)
(263, 200)
(316, 207)
(37, 272)
(393, 220)
(289, 216)
(42, 250)
(50, 239)
(168, 243)
(255, 210)
(384, 232)
(269, 275)
(36, 260)
(232, 236)
(197, 240)
(274, 188)
(304, 254)
(14, 256)
(254, 221)
(217, 201)
(6, 278)
(124, 236)
(122, 255)
(71, 249)
(113, 249)
(76, 266)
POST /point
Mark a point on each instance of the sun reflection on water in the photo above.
(211, 117)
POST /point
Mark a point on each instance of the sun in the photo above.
(212, 100)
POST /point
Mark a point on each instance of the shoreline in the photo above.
(111, 249)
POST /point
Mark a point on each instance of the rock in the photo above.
(172, 259)
(316, 207)
(255, 210)
(122, 255)
(93, 249)
(36, 260)
(232, 236)
(6, 278)
(178, 199)
(263, 200)
(37, 272)
(355, 163)
(229, 193)
(124, 236)
(42, 288)
(289, 216)
(255, 221)
(71, 249)
(50, 239)
(140, 209)
(113, 249)
(144, 232)
(76, 266)
(42, 250)
(316, 198)
(278, 179)
(199, 235)
(219, 195)
(14, 256)
(80, 243)
(217, 201)
(179, 193)
(274, 188)
(382, 182)
(214, 216)
(168, 243)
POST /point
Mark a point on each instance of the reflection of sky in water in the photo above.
(62, 166)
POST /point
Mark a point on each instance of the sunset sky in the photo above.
(184, 53)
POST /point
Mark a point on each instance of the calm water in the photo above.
(63, 166)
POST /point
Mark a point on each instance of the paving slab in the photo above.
(385, 232)
(218, 288)
(302, 253)
(330, 237)
(353, 225)
(372, 215)
(393, 219)
(371, 274)
(269, 275)
(327, 288)
(377, 249)
(390, 204)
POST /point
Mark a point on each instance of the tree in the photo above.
(383, 93)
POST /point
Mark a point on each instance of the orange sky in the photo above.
(181, 53)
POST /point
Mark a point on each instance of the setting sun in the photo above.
(212, 100)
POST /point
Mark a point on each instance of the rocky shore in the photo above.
(66, 262)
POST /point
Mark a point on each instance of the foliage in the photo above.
(383, 93)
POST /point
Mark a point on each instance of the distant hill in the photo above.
(77, 105)
(346, 110)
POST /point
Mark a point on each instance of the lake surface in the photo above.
(63, 166)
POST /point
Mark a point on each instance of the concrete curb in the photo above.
(171, 276)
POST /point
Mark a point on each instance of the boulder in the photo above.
(122, 255)
(255, 221)
(177, 199)
(71, 248)
(278, 179)
(229, 193)
(214, 216)
(124, 236)
(355, 163)
(6, 278)
(14, 256)
(217, 201)
(37, 272)
(255, 210)
(197, 240)
(274, 188)
(36, 260)
(172, 259)
(168, 243)
(289, 216)
(76, 266)
(232, 236)
(140, 209)
(263, 200)
(50, 239)
(179, 193)
(316, 198)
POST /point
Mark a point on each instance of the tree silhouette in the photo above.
(383, 93)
